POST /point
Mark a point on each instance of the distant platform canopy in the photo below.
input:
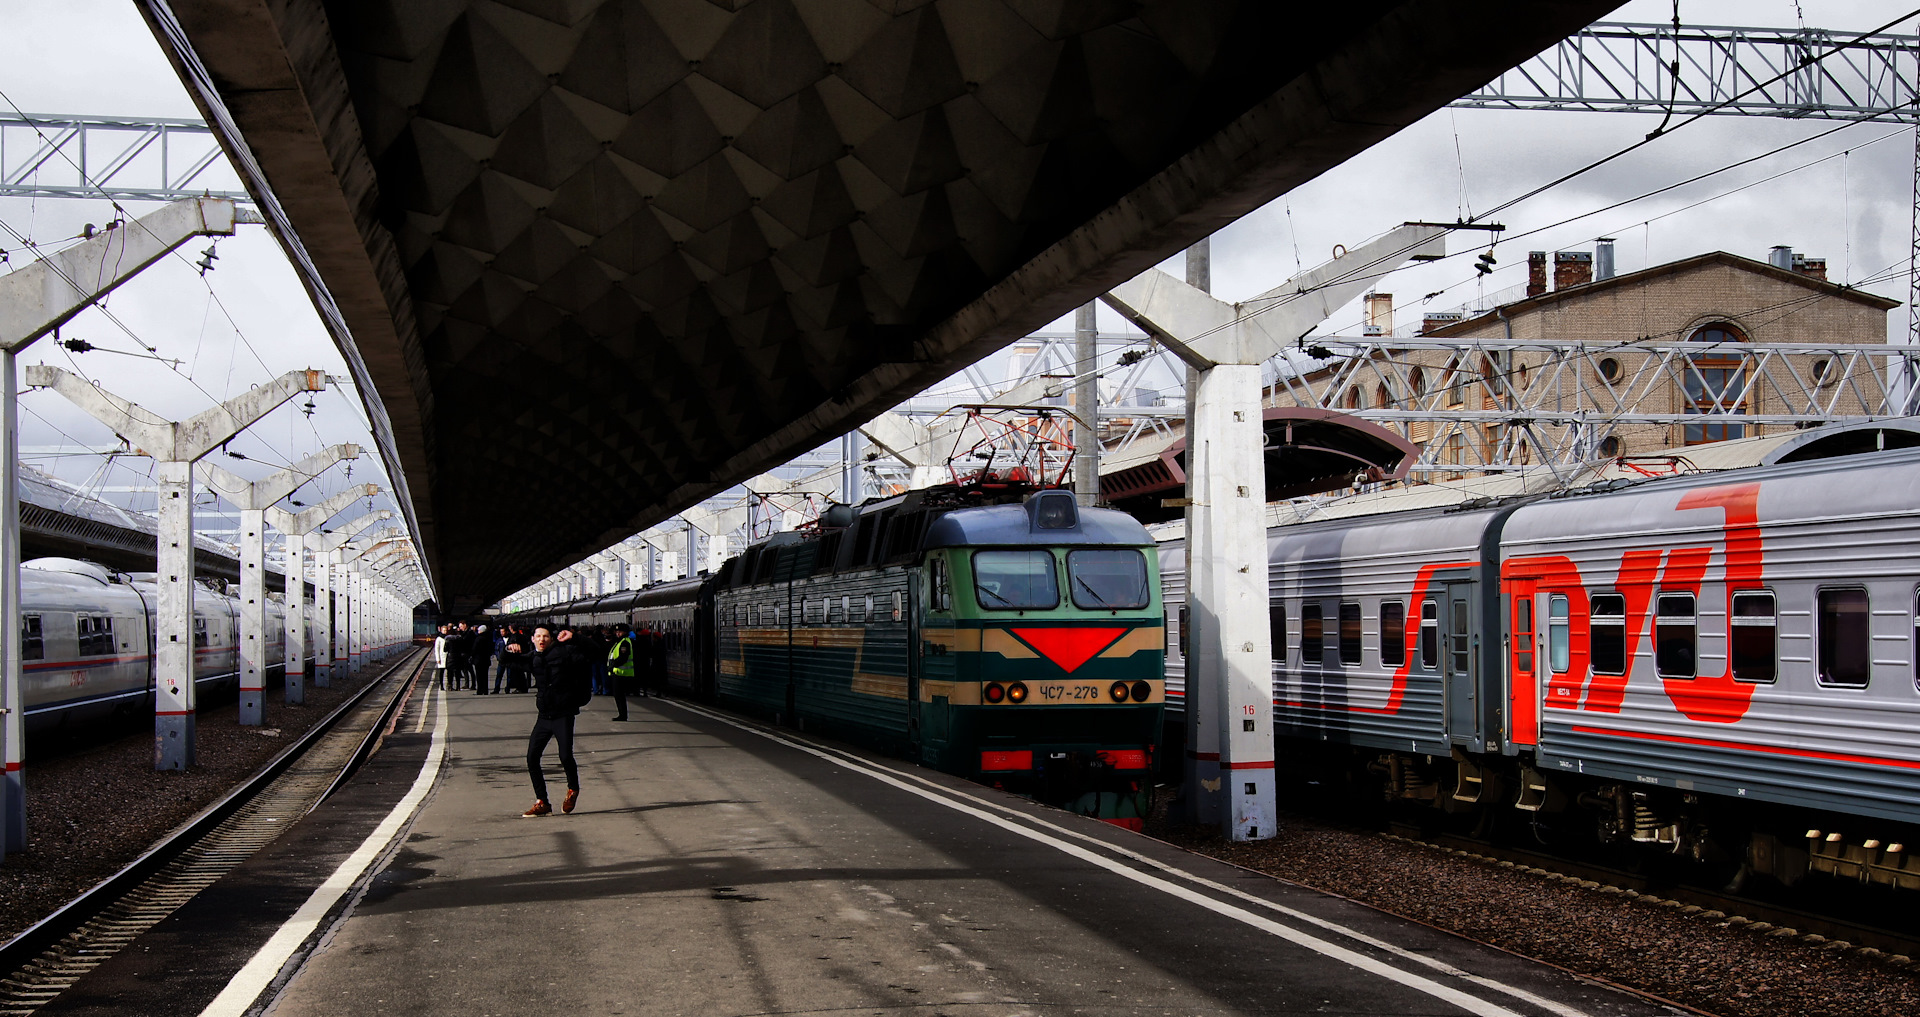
(592, 262)
(1307, 451)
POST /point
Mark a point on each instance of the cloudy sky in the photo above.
(248, 321)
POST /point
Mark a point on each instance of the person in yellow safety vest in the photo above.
(622, 666)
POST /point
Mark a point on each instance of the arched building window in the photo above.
(1715, 383)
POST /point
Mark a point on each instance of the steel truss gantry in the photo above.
(1490, 405)
(1773, 72)
(124, 158)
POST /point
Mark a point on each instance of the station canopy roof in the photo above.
(591, 261)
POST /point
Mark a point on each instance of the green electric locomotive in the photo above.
(1015, 643)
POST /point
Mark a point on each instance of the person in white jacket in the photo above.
(440, 655)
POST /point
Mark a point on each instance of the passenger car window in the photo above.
(1350, 633)
(1184, 652)
(1313, 645)
(1844, 632)
(1393, 633)
(1607, 638)
(95, 634)
(1108, 578)
(1277, 630)
(1015, 580)
(1754, 641)
(1430, 634)
(1673, 636)
(32, 645)
(1559, 636)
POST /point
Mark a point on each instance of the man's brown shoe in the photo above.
(541, 808)
(573, 795)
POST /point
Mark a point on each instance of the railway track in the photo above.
(1900, 946)
(45, 960)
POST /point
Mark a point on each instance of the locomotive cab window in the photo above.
(1607, 636)
(1108, 578)
(32, 645)
(1754, 637)
(1350, 636)
(1844, 634)
(1313, 636)
(1674, 636)
(941, 584)
(1015, 580)
(1430, 634)
(1393, 633)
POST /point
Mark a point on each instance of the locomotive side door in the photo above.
(1455, 605)
(915, 624)
(935, 668)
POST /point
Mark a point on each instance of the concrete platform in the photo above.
(718, 867)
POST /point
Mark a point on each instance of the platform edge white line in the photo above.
(260, 971)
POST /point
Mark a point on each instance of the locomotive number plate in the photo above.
(1069, 692)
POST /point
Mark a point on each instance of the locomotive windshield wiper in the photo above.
(1098, 599)
(994, 595)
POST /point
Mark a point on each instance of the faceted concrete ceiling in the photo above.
(593, 260)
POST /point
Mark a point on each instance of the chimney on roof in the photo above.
(1536, 273)
(1603, 258)
(1571, 268)
(1781, 257)
(1436, 320)
(1812, 268)
(1379, 313)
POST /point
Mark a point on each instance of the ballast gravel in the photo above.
(1701, 960)
(92, 809)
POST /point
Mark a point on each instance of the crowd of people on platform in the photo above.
(564, 668)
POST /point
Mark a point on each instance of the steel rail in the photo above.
(30, 945)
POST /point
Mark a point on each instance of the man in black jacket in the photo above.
(563, 683)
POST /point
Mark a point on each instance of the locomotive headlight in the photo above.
(1017, 692)
(994, 692)
(1118, 692)
(1141, 690)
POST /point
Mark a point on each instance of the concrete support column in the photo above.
(1086, 405)
(175, 446)
(1201, 768)
(356, 618)
(337, 625)
(35, 300)
(13, 802)
(653, 565)
(322, 620)
(296, 669)
(693, 549)
(253, 616)
(1227, 591)
(174, 693)
(1229, 669)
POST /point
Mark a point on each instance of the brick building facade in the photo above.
(1734, 302)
